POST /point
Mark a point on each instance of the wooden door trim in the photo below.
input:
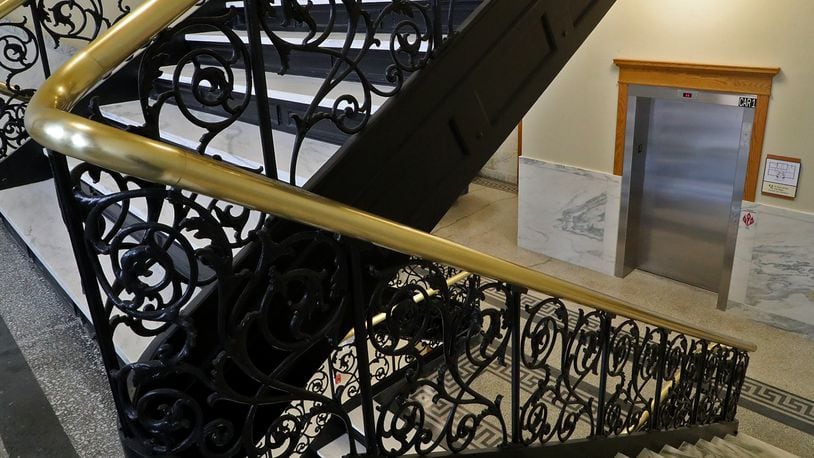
(717, 78)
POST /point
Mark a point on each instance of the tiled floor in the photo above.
(486, 219)
(61, 404)
(776, 407)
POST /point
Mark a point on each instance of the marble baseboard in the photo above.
(773, 276)
(569, 213)
(503, 164)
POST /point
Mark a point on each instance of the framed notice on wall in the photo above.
(781, 176)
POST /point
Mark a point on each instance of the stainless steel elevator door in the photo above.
(690, 167)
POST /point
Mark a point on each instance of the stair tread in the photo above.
(669, 451)
(709, 450)
(339, 447)
(239, 144)
(757, 446)
(333, 40)
(292, 88)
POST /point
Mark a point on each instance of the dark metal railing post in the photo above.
(735, 385)
(437, 22)
(701, 367)
(730, 383)
(604, 349)
(513, 303)
(362, 354)
(253, 18)
(36, 16)
(451, 18)
(661, 367)
(73, 222)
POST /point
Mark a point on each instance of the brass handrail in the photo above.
(7, 6)
(417, 298)
(50, 122)
(8, 92)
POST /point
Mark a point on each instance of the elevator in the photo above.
(686, 154)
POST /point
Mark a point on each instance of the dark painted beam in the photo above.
(423, 147)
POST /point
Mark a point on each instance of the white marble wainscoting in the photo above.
(773, 276)
(572, 214)
(569, 213)
(503, 164)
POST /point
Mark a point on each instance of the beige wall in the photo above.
(574, 121)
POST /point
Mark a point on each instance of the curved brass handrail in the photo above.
(49, 122)
(7, 6)
(8, 92)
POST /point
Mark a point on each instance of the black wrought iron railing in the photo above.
(29, 30)
(241, 316)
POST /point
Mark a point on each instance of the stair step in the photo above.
(690, 449)
(758, 447)
(239, 144)
(707, 449)
(673, 452)
(730, 448)
(288, 94)
(290, 88)
(46, 236)
(741, 446)
(340, 447)
(333, 40)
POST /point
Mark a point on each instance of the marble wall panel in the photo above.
(572, 214)
(569, 214)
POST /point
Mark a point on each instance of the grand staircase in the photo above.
(247, 188)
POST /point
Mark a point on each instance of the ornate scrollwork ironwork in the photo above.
(242, 319)
(633, 363)
(267, 372)
(24, 59)
(557, 405)
(717, 372)
(79, 19)
(469, 337)
(410, 45)
(211, 80)
(740, 362)
(681, 365)
(223, 383)
(12, 118)
(20, 53)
